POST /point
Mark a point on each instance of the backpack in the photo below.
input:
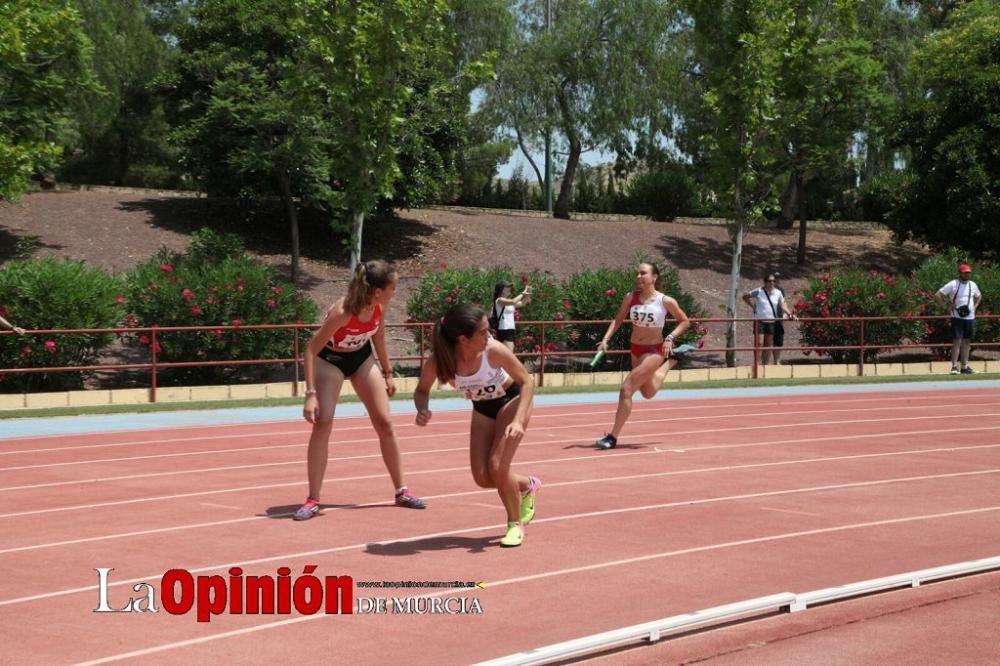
(494, 319)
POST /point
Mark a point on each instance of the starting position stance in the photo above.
(465, 356)
(342, 350)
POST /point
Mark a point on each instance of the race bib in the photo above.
(490, 392)
(353, 342)
(646, 316)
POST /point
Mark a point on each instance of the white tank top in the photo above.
(506, 315)
(647, 315)
(486, 384)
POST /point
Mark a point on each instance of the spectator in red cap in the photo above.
(963, 300)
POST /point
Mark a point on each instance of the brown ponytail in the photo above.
(461, 319)
(368, 276)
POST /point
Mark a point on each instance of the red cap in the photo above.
(965, 268)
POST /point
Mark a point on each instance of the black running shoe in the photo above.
(609, 441)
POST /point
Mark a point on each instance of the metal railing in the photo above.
(541, 352)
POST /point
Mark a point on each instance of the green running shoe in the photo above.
(514, 536)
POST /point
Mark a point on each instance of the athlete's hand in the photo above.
(514, 433)
(310, 411)
(423, 417)
(602, 346)
(390, 386)
(668, 347)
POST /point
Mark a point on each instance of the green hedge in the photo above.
(55, 294)
(215, 283)
(859, 293)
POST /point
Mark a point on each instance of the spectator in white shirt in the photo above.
(501, 317)
(963, 297)
(769, 308)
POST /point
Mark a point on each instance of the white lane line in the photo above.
(534, 431)
(537, 521)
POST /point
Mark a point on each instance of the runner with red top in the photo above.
(342, 350)
(501, 389)
(653, 355)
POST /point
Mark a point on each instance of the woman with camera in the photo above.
(501, 317)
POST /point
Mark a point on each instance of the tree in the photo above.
(595, 74)
(123, 131)
(950, 127)
(45, 59)
(736, 67)
(243, 121)
(361, 59)
(827, 84)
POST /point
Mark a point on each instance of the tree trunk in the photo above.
(734, 288)
(527, 156)
(293, 221)
(565, 199)
(357, 224)
(800, 257)
(789, 199)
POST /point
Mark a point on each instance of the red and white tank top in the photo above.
(652, 314)
(356, 333)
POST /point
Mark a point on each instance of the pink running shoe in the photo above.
(407, 499)
(307, 510)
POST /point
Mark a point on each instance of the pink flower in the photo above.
(167, 268)
(218, 332)
(271, 303)
(26, 350)
(237, 322)
(448, 299)
(611, 293)
(276, 290)
(210, 300)
(120, 300)
(153, 287)
(239, 287)
(559, 316)
(566, 304)
(187, 294)
(157, 348)
(880, 294)
(131, 321)
(50, 345)
(144, 339)
(195, 310)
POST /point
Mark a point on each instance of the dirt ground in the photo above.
(116, 230)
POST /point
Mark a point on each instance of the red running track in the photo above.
(705, 502)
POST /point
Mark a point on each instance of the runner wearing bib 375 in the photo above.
(652, 353)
